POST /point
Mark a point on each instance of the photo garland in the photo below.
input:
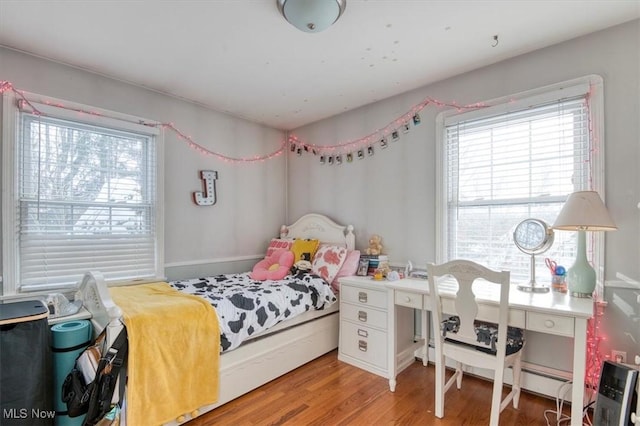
(365, 146)
(361, 152)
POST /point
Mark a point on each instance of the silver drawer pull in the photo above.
(362, 345)
(362, 316)
(362, 297)
(549, 323)
(363, 333)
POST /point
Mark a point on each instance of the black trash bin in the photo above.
(26, 379)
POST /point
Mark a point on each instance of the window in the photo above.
(85, 197)
(513, 161)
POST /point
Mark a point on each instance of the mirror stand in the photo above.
(532, 286)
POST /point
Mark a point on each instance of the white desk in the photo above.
(551, 313)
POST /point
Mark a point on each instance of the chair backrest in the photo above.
(465, 272)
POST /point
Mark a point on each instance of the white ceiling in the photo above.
(243, 58)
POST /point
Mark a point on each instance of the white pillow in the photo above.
(327, 261)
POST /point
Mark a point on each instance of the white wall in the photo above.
(250, 197)
(392, 193)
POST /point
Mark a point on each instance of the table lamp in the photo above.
(583, 211)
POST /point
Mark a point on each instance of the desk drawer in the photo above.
(411, 300)
(551, 324)
(364, 296)
(364, 343)
(363, 315)
(489, 313)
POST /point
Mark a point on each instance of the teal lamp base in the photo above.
(581, 277)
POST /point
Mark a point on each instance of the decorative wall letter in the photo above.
(208, 197)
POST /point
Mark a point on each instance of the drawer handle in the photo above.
(362, 297)
(362, 345)
(363, 333)
(362, 316)
(407, 299)
(549, 323)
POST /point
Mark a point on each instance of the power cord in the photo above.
(585, 414)
(561, 418)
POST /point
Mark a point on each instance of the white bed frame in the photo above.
(260, 360)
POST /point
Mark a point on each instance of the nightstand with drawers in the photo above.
(363, 325)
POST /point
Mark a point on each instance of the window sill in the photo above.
(80, 315)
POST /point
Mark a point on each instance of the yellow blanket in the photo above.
(174, 350)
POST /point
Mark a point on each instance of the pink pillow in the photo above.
(348, 268)
(274, 267)
(278, 243)
(327, 261)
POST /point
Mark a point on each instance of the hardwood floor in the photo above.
(330, 392)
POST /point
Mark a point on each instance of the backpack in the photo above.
(89, 387)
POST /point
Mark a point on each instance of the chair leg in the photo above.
(497, 395)
(440, 371)
(459, 377)
(517, 374)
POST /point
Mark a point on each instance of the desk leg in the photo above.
(392, 339)
(425, 336)
(579, 368)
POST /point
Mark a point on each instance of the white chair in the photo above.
(468, 340)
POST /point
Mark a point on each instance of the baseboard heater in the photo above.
(535, 378)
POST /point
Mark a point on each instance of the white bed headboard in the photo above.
(320, 227)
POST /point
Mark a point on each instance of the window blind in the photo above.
(504, 168)
(86, 199)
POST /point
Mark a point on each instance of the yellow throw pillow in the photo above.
(304, 249)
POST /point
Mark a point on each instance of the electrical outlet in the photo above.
(619, 356)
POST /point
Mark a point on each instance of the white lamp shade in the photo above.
(311, 16)
(584, 211)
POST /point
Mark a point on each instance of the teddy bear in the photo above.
(375, 245)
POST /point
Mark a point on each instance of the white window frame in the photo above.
(593, 85)
(10, 181)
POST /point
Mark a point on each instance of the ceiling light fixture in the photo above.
(311, 16)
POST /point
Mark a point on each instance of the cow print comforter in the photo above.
(246, 307)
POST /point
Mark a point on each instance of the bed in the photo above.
(265, 355)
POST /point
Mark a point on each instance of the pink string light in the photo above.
(207, 152)
(593, 135)
(6, 86)
(594, 338)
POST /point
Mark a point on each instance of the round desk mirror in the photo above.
(533, 237)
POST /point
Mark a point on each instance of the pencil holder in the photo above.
(559, 283)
